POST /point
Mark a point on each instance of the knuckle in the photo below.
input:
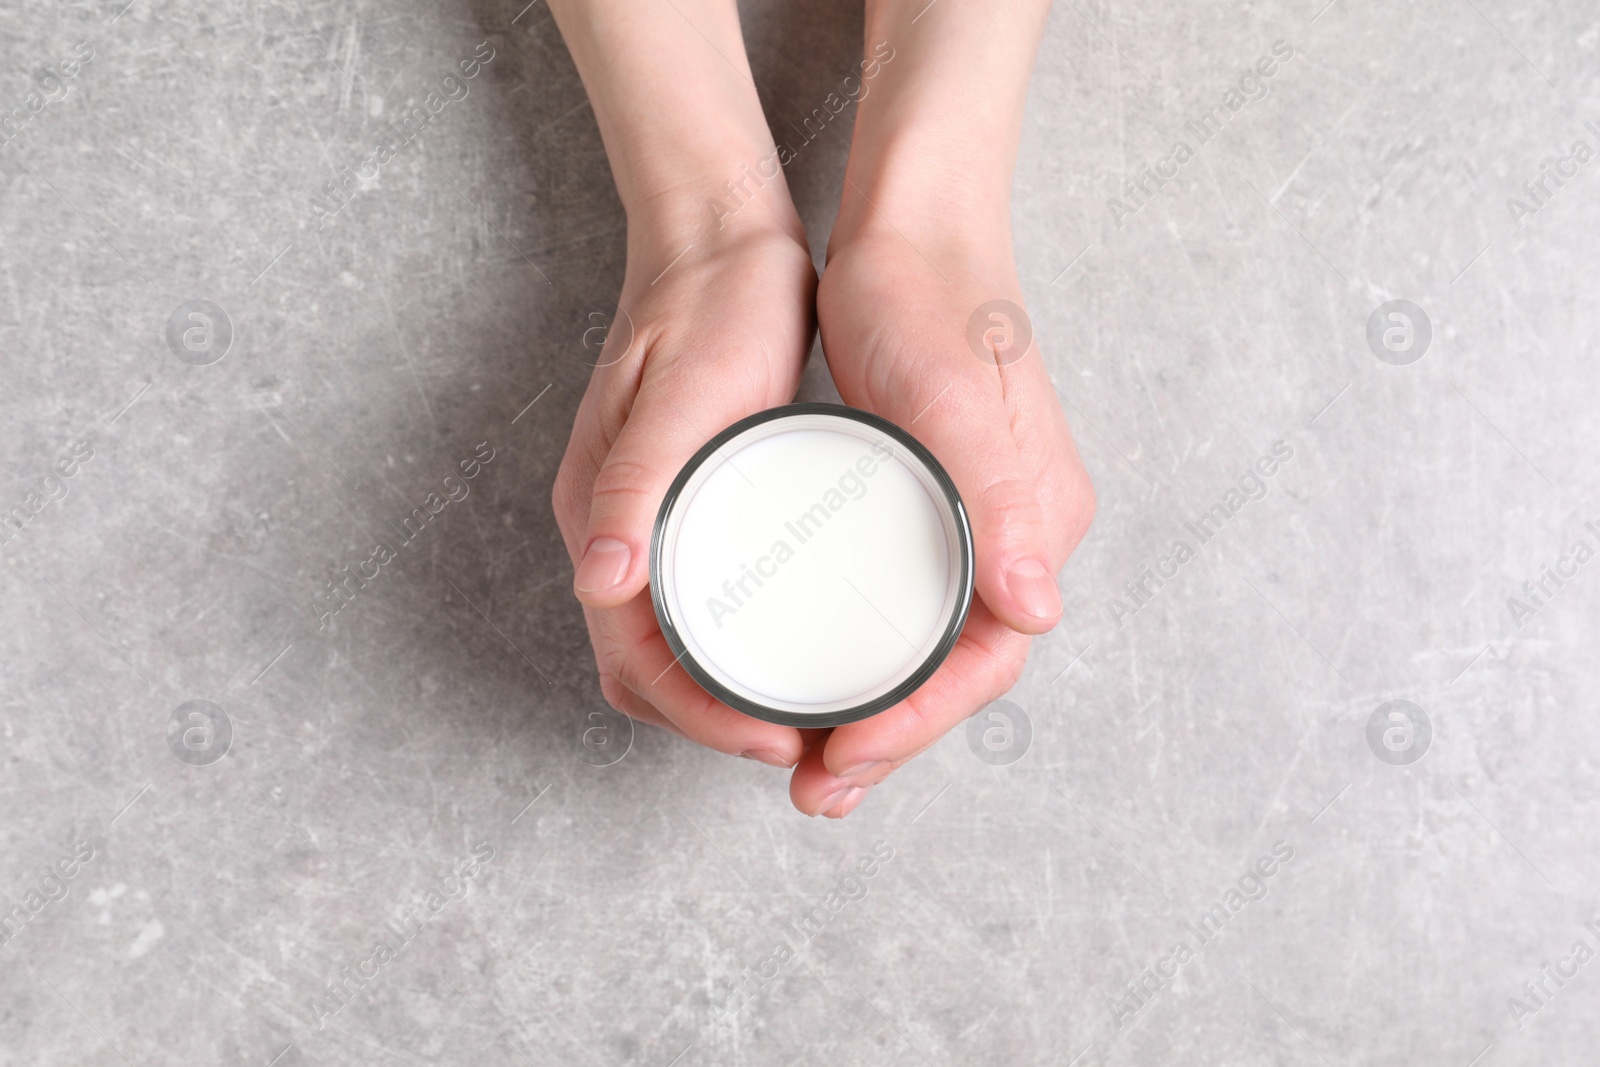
(615, 692)
(1007, 673)
(1009, 504)
(564, 496)
(999, 664)
(622, 481)
(630, 660)
(1084, 504)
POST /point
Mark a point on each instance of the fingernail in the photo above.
(1034, 589)
(860, 770)
(771, 759)
(603, 565)
(831, 801)
(847, 803)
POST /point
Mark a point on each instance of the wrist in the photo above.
(912, 180)
(679, 115)
(936, 140)
(724, 198)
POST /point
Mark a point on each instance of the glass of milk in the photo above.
(811, 565)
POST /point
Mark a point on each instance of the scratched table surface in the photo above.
(1306, 776)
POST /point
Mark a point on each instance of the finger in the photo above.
(1066, 492)
(645, 665)
(816, 792)
(635, 707)
(811, 737)
(669, 422)
(984, 664)
(690, 389)
(963, 419)
(587, 447)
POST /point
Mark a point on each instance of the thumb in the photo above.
(964, 421)
(659, 437)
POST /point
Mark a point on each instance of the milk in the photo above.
(812, 564)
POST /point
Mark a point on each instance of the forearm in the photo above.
(936, 138)
(677, 110)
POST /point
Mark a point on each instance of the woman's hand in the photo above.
(922, 242)
(714, 323)
(896, 338)
(723, 334)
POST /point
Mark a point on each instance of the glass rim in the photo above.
(937, 653)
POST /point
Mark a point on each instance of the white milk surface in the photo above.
(819, 613)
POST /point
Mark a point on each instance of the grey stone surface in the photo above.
(446, 707)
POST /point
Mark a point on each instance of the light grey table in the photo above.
(626, 895)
